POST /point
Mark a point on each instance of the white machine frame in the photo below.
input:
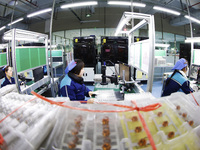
(18, 34)
(145, 20)
(2, 46)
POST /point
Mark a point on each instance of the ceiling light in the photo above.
(89, 21)
(39, 12)
(126, 3)
(161, 45)
(88, 15)
(21, 39)
(52, 46)
(192, 19)
(18, 20)
(194, 39)
(79, 4)
(2, 28)
(2, 46)
(167, 10)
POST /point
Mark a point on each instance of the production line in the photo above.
(42, 125)
(38, 113)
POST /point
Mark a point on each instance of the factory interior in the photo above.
(99, 75)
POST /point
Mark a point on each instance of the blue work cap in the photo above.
(4, 68)
(180, 64)
(70, 66)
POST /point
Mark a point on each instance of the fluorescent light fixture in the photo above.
(39, 12)
(79, 4)
(126, 3)
(139, 25)
(89, 21)
(52, 46)
(167, 10)
(2, 28)
(21, 39)
(194, 39)
(161, 45)
(18, 20)
(2, 46)
(192, 19)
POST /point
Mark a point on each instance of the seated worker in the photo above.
(72, 84)
(177, 81)
(8, 76)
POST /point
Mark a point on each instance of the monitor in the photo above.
(57, 59)
(2, 74)
(127, 69)
(198, 77)
(38, 74)
(194, 71)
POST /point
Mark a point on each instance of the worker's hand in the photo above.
(22, 83)
(90, 93)
(90, 101)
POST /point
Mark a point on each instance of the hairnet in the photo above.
(180, 64)
(70, 66)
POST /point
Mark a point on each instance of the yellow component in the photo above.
(139, 74)
(104, 40)
(25, 74)
(138, 39)
(182, 140)
(76, 40)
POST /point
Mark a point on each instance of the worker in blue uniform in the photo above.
(72, 85)
(177, 81)
(8, 76)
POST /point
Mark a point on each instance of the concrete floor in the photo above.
(156, 89)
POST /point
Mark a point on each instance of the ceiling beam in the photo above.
(75, 14)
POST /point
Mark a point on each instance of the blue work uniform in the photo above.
(178, 83)
(6, 81)
(76, 91)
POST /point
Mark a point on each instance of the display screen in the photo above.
(126, 69)
(57, 59)
(38, 74)
(2, 74)
(194, 71)
(198, 77)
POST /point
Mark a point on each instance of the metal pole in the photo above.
(8, 55)
(10, 29)
(50, 38)
(132, 22)
(104, 21)
(151, 54)
(191, 32)
(14, 60)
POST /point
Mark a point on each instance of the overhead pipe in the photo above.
(192, 5)
(12, 8)
(31, 3)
